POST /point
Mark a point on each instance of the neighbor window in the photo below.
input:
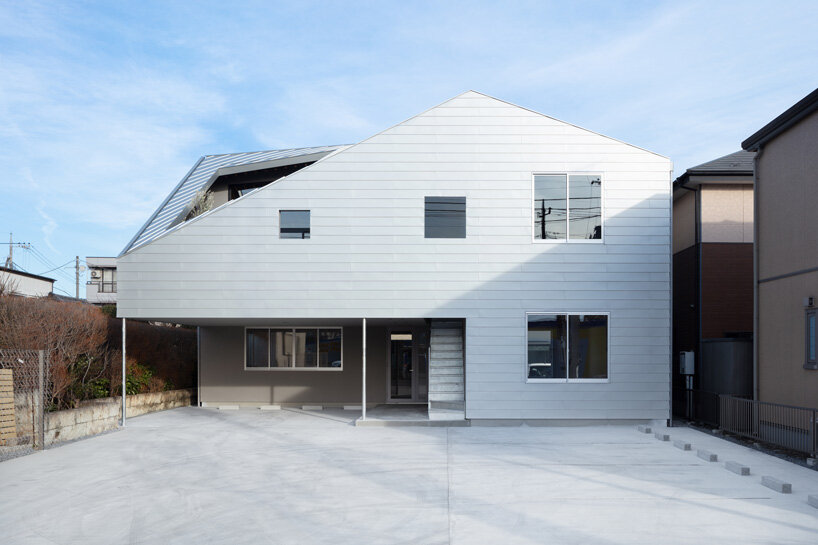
(293, 348)
(567, 207)
(445, 217)
(811, 362)
(567, 347)
(294, 223)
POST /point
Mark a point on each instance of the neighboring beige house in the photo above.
(100, 289)
(786, 193)
(713, 276)
(26, 284)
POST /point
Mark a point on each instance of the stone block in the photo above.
(661, 436)
(776, 484)
(312, 407)
(678, 443)
(737, 468)
(812, 499)
(228, 407)
(270, 408)
(707, 455)
(643, 429)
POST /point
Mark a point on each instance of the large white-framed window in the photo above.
(567, 207)
(567, 346)
(293, 348)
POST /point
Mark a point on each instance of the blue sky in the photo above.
(106, 105)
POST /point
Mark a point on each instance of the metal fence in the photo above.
(24, 395)
(783, 425)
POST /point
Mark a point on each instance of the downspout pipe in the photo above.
(759, 151)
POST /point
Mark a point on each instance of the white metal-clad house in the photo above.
(499, 263)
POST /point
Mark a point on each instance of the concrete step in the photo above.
(446, 396)
(446, 370)
(446, 414)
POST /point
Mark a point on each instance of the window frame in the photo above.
(309, 229)
(567, 380)
(465, 216)
(810, 363)
(291, 367)
(567, 239)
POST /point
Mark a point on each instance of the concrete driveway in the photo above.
(203, 476)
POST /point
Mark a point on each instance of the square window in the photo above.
(294, 223)
(257, 348)
(567, 207)
(445, 217)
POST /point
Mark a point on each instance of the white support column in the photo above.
(123, 373)
(363, 372)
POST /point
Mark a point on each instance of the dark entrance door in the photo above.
(408, 369)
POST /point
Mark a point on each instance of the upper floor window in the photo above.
(567, 207)
(294, 223)
(445, 217)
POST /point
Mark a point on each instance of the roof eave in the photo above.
(792, 116)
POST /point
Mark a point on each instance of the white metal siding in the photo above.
(367, 255)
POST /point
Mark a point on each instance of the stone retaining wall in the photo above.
(99, 415)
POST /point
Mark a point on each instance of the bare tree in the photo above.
(202, 202)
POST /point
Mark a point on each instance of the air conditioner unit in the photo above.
(95, 273)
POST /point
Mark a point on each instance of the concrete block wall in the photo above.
(99, 415)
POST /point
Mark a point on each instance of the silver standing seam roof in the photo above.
(197, 178)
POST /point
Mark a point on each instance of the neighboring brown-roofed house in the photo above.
(786, 285)
(713, 279)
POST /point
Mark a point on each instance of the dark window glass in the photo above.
(445, 217)
(329, 348)
(294, 223)
(585, 207)
(588, 354)
(306, 347)
(257, 347)
(550, 207)
(546, 346)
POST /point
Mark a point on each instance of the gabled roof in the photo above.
(199, 177)
(25, 273)
(739, 163)
(793, 115)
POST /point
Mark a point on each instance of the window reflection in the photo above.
(549, 207)
(585, 207)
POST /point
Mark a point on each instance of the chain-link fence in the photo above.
(24, 389)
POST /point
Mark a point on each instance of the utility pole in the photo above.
(9, 260)
(77, 266)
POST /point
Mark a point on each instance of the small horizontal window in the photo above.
(567, 346)
(294, 223)
(294, 348)
(445, 217)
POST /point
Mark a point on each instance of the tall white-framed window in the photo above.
(567, 207)
(293, 348)
(567, 347)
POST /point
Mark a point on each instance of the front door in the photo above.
(408, 369)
